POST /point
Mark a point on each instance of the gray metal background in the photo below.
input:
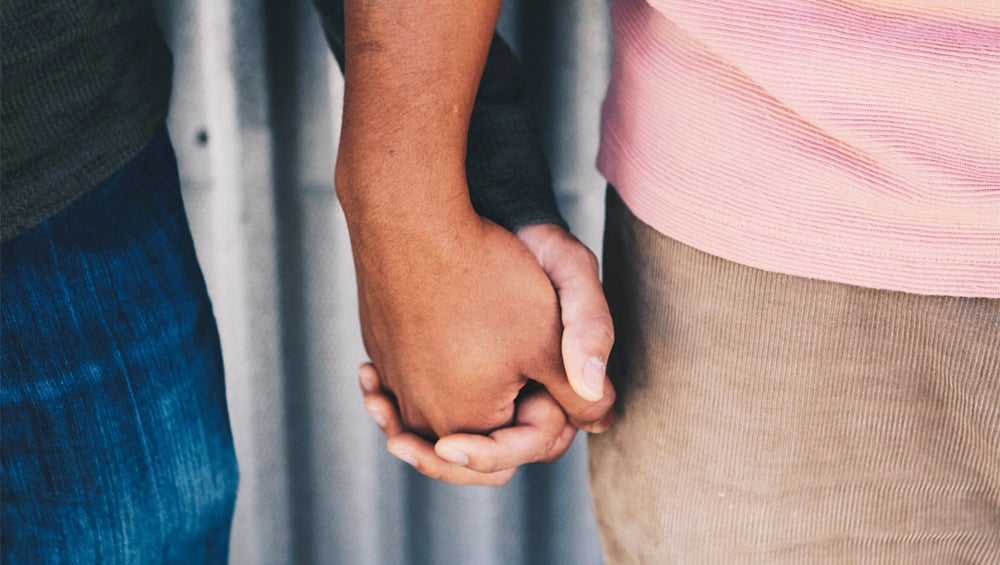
(255, 118)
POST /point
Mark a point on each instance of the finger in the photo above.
(380, 406)
(603, 424)
(419, 453)
(411, 448)
(588, 330)
(505, 449)
(588, 335)
(582, 413)
(386, 415)
(541, 433)
(536, 436)
(394, 416)
(368, 379)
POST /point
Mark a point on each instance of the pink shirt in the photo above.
(855, 141)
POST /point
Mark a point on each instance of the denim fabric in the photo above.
(116, 441)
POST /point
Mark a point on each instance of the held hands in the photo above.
(535, 427)
(456, 313)
(539, 433)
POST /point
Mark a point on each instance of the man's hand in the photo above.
(456, 313)
(540, 431)
(456, 319)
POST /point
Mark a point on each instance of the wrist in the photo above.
(403, 194)
(426, 218)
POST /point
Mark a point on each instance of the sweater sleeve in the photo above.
(506, 168)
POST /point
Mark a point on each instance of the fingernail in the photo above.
(454, 455)
(368, 382)
(377, 415)
(593, 378)
(404, 455)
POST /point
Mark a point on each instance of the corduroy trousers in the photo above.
(766, 418)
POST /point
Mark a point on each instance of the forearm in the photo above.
(411, 70)
(506, 168)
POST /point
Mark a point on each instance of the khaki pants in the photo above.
(766, 418)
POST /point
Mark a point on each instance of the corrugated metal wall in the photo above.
(255, 118)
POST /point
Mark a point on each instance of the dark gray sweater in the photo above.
(86, 83)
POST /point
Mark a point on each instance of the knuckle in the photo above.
(592, 263)
(596, 328)
(484, 419)
(553, 453)
(432, 472)
(501, 418)
(604, 405)
(584, 257)
(573, 260)
(602, 329)
(487, 464)
(548, 451)
(593, 412)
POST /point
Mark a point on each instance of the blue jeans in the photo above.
(116, 443)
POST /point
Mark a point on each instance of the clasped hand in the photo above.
(460, 327)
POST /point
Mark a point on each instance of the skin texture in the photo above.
(457, 328)
(457, 314)
(541, 431)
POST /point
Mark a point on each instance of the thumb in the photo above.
(588, 331)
